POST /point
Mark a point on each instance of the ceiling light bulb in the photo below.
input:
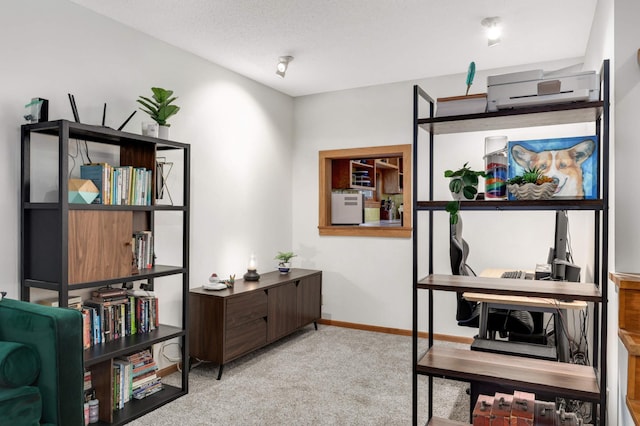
(283, 64)
(493, 29)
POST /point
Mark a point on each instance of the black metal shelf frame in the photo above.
(596, 112)
(63, 131)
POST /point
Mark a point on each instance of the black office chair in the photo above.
(502, 321)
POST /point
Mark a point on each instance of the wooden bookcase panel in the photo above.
(99, 245)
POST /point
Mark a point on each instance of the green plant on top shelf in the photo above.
(159, 108)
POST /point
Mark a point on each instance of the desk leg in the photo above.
(562, 340)
(484, 319)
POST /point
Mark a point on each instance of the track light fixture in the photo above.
(283, 64)
(493, 28)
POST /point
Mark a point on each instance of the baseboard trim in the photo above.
(173, 368)
(398, 331)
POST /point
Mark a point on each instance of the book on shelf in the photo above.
(459, 105)
(98, 173)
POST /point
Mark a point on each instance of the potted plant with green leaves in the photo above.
(532, 184)
(284, 261)
(463, 185)
(160, 107)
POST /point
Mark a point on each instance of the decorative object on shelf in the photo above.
(572, 163)
(82, 191)
(284, 258)
(495, 166)
(463, 184)
(37, 110)
(160, 109)
(532, 185)
(252, 274)
(150, 128)
(470, 74)
(163, 170)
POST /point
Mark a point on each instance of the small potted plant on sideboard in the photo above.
(284, 261)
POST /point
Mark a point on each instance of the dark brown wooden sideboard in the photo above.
(226, 324)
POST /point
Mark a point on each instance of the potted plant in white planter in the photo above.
(463, 185)
(160, 108)
(284, 261)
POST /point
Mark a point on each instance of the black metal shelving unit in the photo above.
(581, 112)
(44, 243)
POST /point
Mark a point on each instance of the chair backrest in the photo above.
(458, 252)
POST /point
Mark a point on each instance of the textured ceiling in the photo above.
(341, 44)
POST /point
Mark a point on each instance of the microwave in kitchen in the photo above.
(347, 209)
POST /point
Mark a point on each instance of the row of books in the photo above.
(134, 377)
(119, 185)
(142, 246)
(108, 320)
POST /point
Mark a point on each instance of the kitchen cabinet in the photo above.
(227, 324)
(587, 383)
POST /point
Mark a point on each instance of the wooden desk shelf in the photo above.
(569, 380)
(513, 287)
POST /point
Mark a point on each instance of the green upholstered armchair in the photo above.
(41, 365)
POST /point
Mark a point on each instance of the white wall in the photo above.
(240, 132)
(368, 280)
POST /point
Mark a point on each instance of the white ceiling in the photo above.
(342, 44)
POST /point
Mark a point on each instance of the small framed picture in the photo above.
(571, 162)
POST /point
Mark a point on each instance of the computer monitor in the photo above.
(559, 255)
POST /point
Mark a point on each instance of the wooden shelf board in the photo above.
(513, 287)
(634, 409)
(631, 341)
(492, 205)
(438, 421)
(624, 280)
(562, 379)
(544, 115)
(129, 344)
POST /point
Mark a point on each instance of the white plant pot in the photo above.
(284, 267)
(163, 132)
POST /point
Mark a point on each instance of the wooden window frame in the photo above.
(325, 168)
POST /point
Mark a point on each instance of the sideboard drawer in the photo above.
(245, 308)
(245, 337)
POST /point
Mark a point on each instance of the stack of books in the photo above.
(144, 378)
(142, 246)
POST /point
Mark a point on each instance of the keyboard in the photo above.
(514, 274)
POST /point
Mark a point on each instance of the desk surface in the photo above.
(541, 302)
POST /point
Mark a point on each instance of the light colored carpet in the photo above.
(333, 376)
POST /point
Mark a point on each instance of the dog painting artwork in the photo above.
(572, 163)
